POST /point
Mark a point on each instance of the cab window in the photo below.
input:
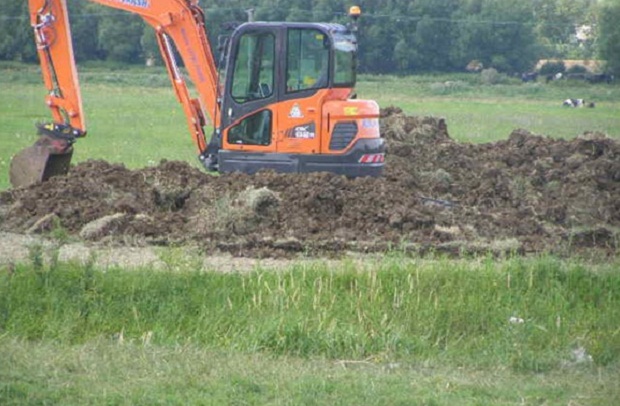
(253, 76)
(345, 50)
(307, 59)
(252, 130)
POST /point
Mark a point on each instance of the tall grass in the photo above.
(527, 314)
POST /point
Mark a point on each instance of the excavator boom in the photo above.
(178, 24)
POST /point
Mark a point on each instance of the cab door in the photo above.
(306, 76)
(248, 118)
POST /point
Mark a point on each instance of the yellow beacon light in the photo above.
(355, 12)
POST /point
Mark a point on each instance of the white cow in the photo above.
(577, 103)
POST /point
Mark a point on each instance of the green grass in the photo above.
(136, 126)
(134, 118)
(477, 112)
(392, 331)
(103, 372)
(393, 309)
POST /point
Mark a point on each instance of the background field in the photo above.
(133, 117)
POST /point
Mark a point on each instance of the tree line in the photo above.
(396, 36)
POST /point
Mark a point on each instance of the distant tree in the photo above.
(120, 37)
(556, 22)
(149, 46)
(395, 36)
(403, 55)
(497, 33)
(433, 45)
(376, 48)
(609, 36)
(298, 15)
(325, 10)
(266, 13)
(552, 68)
(433, 35)
(220, 21)
(16, 37)
(84, 18)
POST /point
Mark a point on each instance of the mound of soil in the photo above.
(527, 193)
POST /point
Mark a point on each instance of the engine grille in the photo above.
(342, 135)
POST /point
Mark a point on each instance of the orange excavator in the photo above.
(283, 99)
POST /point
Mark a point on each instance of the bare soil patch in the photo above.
(527, 193)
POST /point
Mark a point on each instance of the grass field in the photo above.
(385, 331)
(134, 118)
(103, 372)
(392, 331)
(482, 113)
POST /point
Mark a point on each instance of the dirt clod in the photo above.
(110, 224)
(526, 193)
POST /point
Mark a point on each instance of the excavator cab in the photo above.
(287, 103)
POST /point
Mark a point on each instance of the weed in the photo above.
(36, 254)
(398, 308)
(59, 234)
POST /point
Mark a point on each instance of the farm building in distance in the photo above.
(591, 65)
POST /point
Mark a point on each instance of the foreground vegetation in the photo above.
(134, 118)
(381, 332)
(104, 372)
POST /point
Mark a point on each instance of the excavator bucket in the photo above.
(48, 157)
(36, 164)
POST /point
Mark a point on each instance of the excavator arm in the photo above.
(52, 35)
(178, 24)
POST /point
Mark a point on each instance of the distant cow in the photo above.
(600, 78)
(577, 103)
(555, 76)
(529, 77)
(575, 76)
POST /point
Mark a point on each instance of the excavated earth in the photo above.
(524, 194)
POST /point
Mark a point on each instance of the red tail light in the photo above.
(372, 158)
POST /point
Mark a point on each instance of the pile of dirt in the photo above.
(527, 193)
